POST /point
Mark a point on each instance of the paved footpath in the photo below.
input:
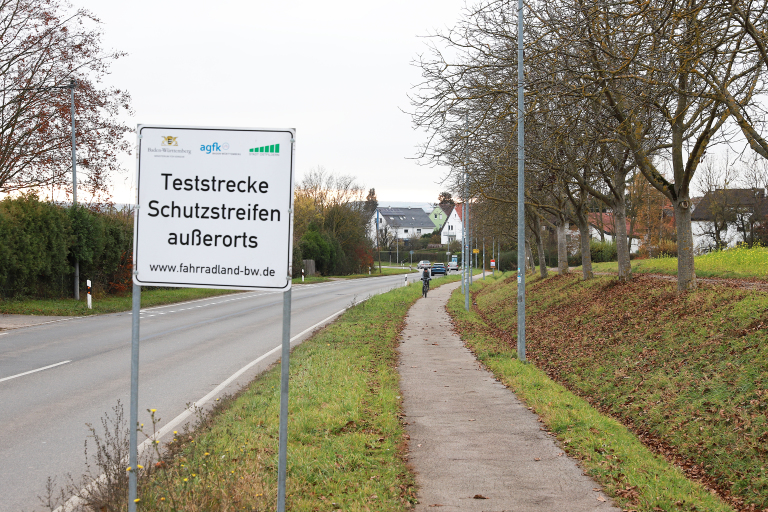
(473, 444)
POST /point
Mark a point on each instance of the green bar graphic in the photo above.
(272, 148)
(277, 148)
(261, 149)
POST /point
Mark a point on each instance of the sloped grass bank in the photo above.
(345, 443)
(737, 262)
(688, 373)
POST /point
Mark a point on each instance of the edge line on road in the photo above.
(34, 371)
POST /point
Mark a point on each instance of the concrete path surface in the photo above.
(473, 445)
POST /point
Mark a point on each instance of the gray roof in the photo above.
(730, 201)
(406, 217)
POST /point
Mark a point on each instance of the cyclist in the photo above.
(426, 277)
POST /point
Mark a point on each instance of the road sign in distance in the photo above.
(214, 207)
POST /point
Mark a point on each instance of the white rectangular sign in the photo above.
(214, 207)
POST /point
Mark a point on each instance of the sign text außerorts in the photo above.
(214, 211)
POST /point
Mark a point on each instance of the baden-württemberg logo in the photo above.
(168, 141)
(272, 149)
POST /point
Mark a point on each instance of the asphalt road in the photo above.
(187, 351)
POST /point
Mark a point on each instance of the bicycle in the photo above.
(425, 287)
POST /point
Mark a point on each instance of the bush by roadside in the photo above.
(42, 240)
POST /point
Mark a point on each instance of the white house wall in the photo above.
(448, 235)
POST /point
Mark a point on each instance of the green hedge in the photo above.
(40, 241)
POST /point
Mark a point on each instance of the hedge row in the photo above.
(40, 242)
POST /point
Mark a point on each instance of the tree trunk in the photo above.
(531, 265)
(586, 255)
(622, 248)
(600, 225)
(540, 246)
(562, 247)
(686, 276)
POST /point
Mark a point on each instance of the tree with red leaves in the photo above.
(44, 46)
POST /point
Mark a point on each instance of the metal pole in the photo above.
(284, 369)
(520, 187)
(483, 258)
(378, 247)
(470, 279)
(134, 414)
(493, 255)
(72, 85)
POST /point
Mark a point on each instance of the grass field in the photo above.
(685, 372)
(346, 441)
(738, 262)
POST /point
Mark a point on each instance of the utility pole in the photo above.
(378, 247)
(520, 187)
(72, 85)
(467, 271)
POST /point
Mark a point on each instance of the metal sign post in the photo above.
(214, 209)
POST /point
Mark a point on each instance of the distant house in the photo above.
(726, 217)
(439, 215)
(453, 226)
(607, 223)
(402, 223)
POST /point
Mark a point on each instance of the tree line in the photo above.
(331, 224)
(616, 91)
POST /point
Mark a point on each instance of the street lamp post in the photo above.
(520, 187)
(72, 85)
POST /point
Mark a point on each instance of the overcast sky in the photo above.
(337, 71)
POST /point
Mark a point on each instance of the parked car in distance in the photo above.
(438, 268)
(424, 264)
(452, 265)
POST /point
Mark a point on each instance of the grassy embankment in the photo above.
(737, 262)
(345, 436)
(686, 372)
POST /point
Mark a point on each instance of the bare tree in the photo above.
(42, 50)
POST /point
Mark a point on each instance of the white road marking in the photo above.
(34, 371)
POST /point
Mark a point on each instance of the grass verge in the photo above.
(737, 262)
(72, 307)
(384, 272)
(310, 280)
(149, 298)
(345, 442)
(684, 372)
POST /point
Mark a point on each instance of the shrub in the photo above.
(36, 239)
(603, 251)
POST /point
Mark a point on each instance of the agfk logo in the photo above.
(214, 148)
